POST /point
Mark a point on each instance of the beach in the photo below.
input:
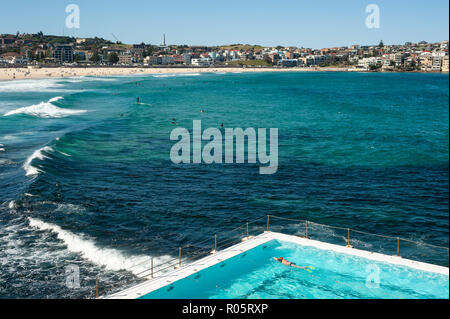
(61, 72)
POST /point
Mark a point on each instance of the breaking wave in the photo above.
(31, 170)
(42, 85)
(86, 78)
(45, 110)
(111, 259)
(175, 75)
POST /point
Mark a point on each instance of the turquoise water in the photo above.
(91, 168)
(255, 275)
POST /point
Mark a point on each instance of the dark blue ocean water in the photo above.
(86, 177)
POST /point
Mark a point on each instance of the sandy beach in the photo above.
(39, 73)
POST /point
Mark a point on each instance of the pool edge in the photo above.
(170, 277)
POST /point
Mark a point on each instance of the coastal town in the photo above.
(39, 50)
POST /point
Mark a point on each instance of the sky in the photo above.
(300, 23)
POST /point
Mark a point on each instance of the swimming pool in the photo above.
(254, 274)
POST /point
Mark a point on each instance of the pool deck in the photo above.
(185, 271)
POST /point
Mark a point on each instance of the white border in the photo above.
(185, 271)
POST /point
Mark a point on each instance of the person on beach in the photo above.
(288, 263)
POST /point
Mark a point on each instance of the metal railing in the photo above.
(389, 245)
(352, 238)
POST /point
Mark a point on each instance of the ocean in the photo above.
(86, 177)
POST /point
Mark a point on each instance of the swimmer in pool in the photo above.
(288, 263)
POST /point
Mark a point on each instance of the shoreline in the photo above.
(15, 73)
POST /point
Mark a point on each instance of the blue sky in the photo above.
(290, 22)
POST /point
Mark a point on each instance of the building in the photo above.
(437, 63)
(205, 62)
(372, 61)
(387, 62)
(186, 58)
(426, 62)
(63, 53)
(153, 60)
(140, 46)
(409, 62)
(445, 64)
(5, 41)
(79, 55)
(287, 63)
(125, 58)
(399, 59)
(13, 58)
(165, 60)
(178, 59)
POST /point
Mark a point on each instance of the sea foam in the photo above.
(42, 85)
(111, 259)
(45, 110)
(31, 170)
(169, 75)
(12, 204)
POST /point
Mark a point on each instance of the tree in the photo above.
(150, 50)
(113, 58)
(267, 59)
(77, 57)
(381, 44)
(95, 57)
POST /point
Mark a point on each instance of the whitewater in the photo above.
(111, 259)
(38, 154)
(46, 110)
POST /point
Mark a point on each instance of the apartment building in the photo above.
(367, 62)
(437, 63)
(125, 58)
(205, 62)
(63, 53)
(13, 58)
(445, 64)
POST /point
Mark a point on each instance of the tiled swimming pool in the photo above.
(254, 274)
